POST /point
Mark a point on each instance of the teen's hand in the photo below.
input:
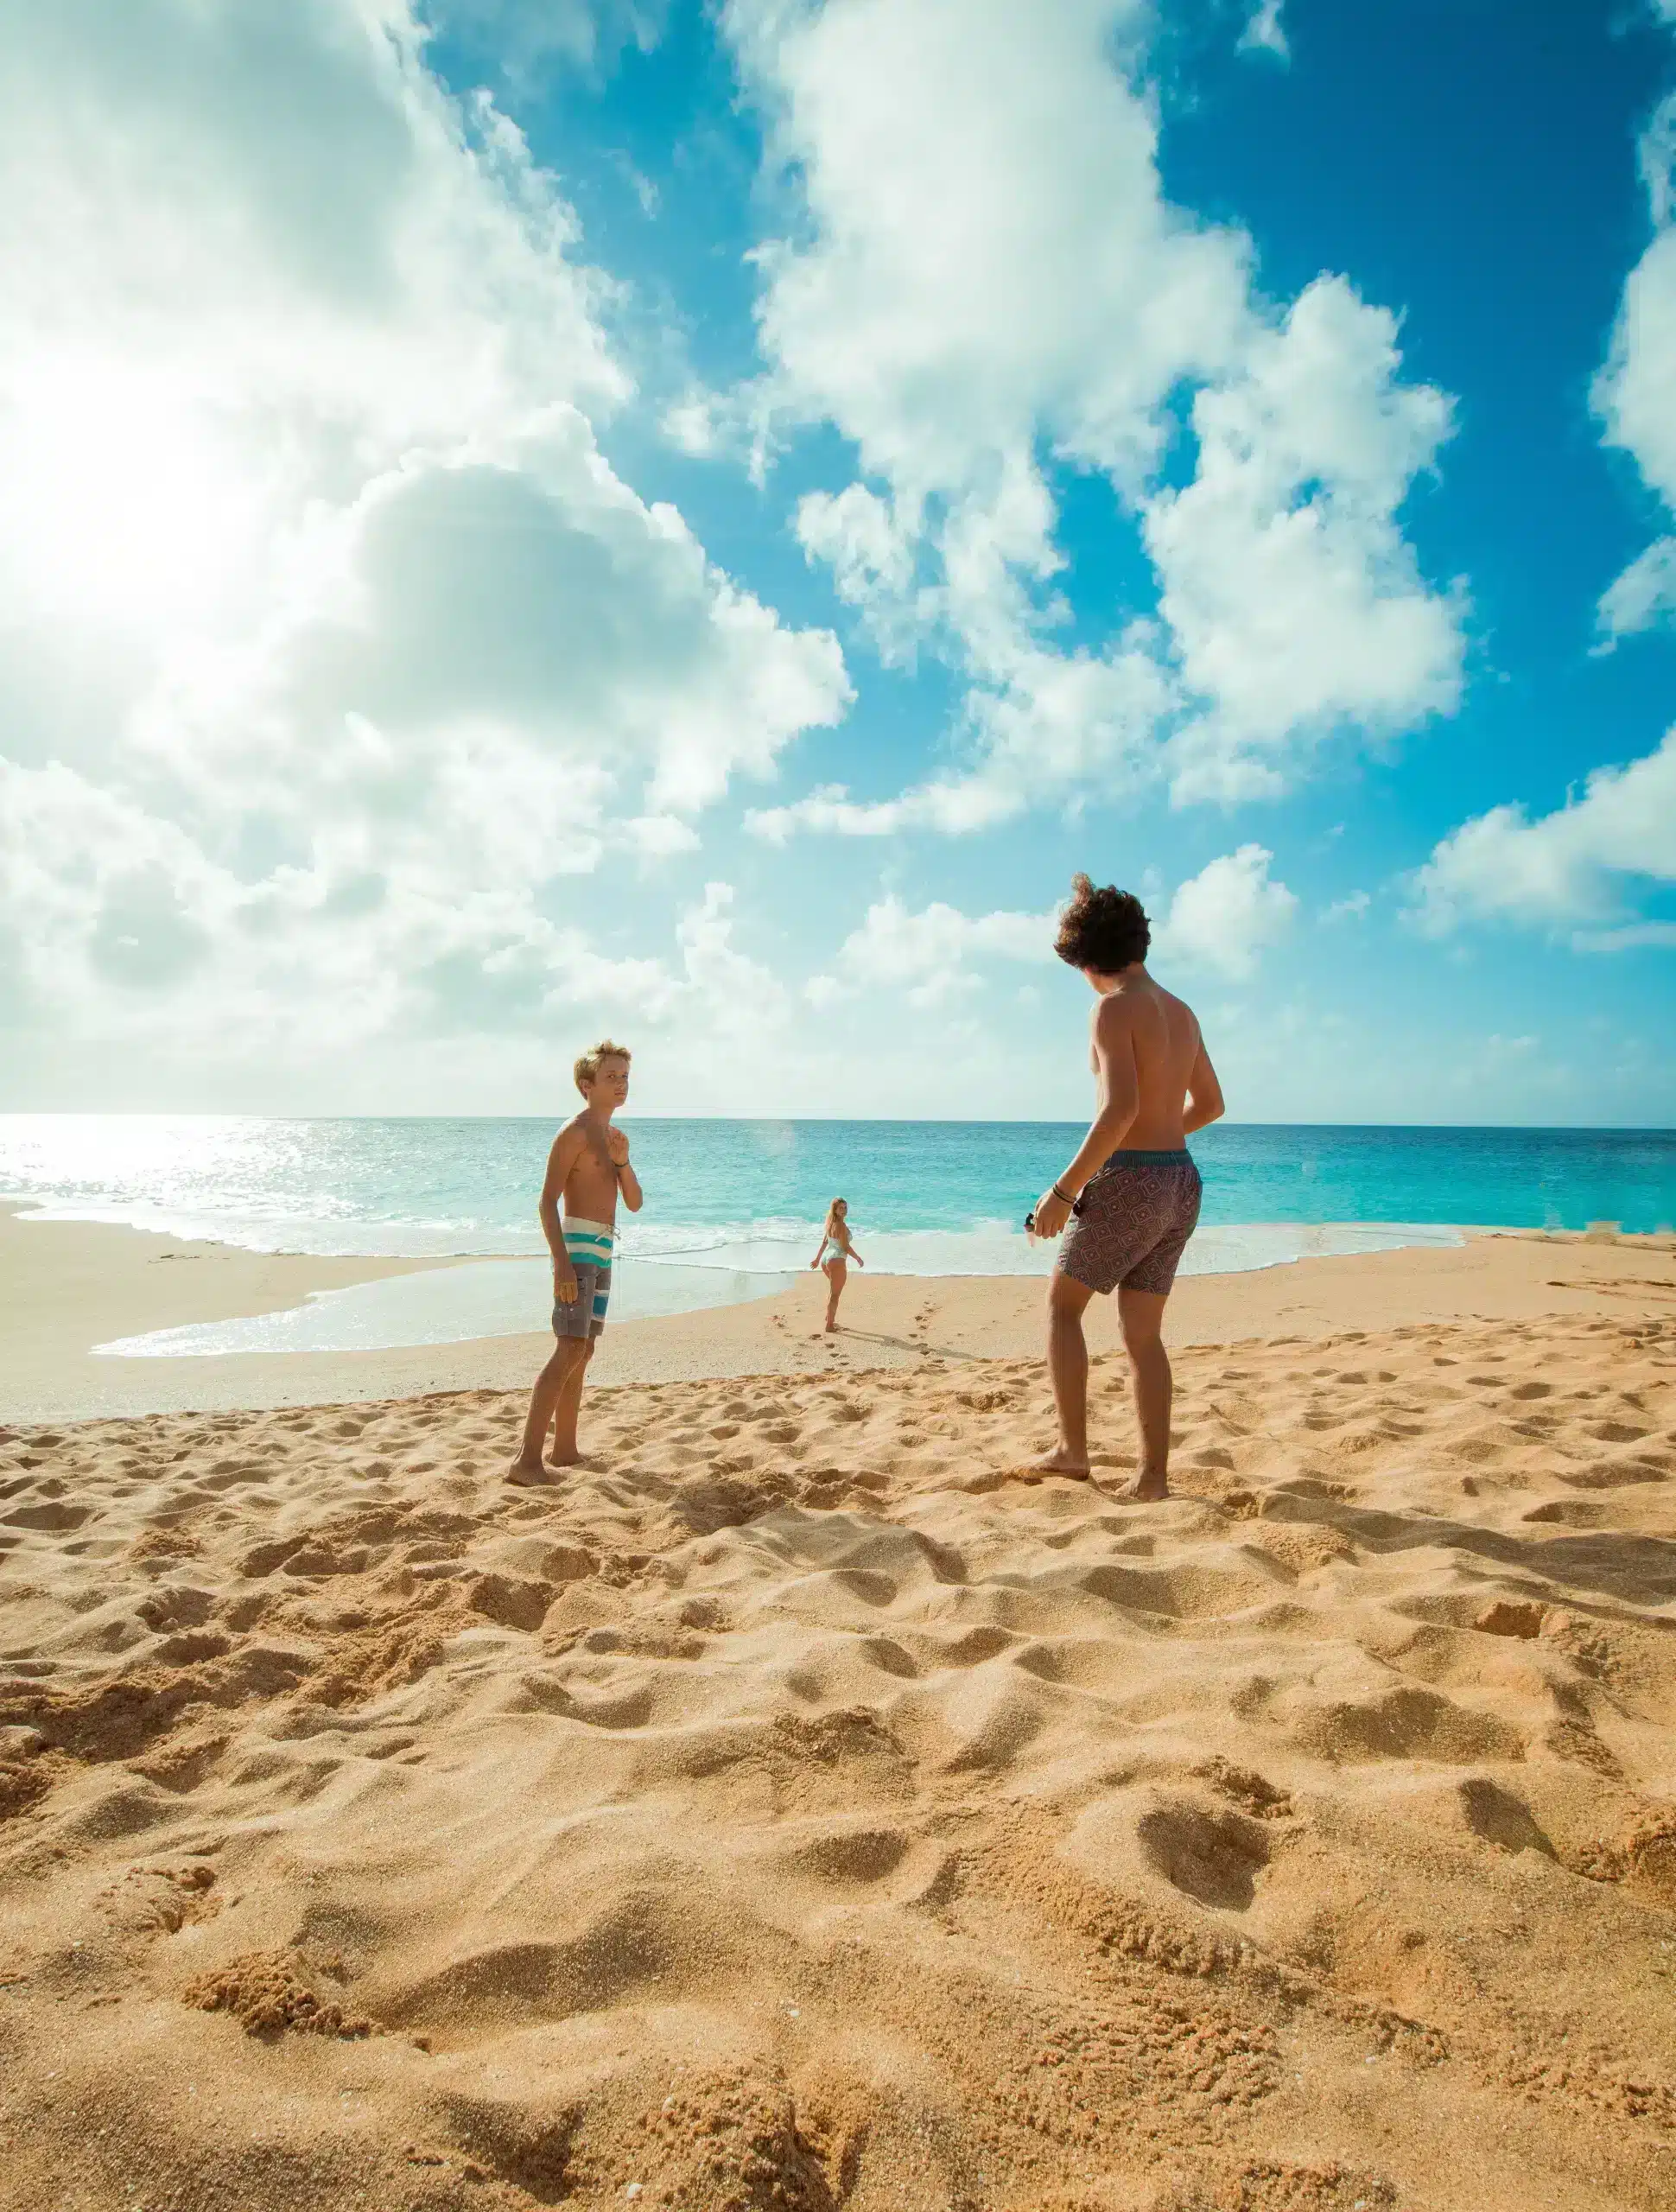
(564, 1283)
(616, 1146)
(1052, 1214)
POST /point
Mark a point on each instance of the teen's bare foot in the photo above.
(1060, 1462)
(531, 1473)
(558, 1461)
(1147, 1490)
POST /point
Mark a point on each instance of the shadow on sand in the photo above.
(906, 1343)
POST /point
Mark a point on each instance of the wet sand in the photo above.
(64, 1286)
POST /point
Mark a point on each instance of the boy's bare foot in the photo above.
(1147, 1490)
(831, 1329)
(1059, 1462)
(558, 1461)
(529, 1472)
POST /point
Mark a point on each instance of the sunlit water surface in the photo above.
(734, 1208)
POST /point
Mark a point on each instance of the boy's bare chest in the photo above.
(592, 1169)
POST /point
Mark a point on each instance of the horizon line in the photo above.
(830, 1121)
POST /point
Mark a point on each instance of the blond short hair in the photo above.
(587, 1063)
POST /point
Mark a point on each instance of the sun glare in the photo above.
(126, 497)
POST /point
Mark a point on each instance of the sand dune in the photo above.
(798, 1810)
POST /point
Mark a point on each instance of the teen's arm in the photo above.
(1117, 1095)
(1117, 1092)
(1204, 1095)
(628, 1183)
(560, 1161)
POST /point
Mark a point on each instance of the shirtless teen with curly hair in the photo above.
(1131, 1194)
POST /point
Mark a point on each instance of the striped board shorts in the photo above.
(1133, 1223)
(589, 1245)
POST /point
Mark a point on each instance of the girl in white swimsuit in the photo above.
(834, 1265)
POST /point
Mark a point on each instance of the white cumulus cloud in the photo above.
(924, 955)
(1265, 33)
(521, 38)
(1555, 871)
(1220, 921)
(335, 654)
(1295, 603)
(1632, 392)
(1644, 596)
(979, 275)
(1225, 918)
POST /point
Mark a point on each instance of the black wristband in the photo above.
(1065, 1195)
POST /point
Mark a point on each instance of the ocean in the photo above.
(733, 1208)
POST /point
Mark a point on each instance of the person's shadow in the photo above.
(1608, 1564)
(906, 1343)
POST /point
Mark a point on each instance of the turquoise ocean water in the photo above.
(734, 1207)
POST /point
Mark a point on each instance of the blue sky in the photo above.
(695, 522)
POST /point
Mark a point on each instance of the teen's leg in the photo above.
(1068, 1364)
(837, 1273)
(1141, 1315)
(569, 1352)
(565, 1453)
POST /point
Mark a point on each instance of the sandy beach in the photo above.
(842, 667)
(799, 1808)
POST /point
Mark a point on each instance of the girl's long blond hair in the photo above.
(832, 1212)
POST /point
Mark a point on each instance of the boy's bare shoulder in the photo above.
(1180, 1006)
(1112, 1015)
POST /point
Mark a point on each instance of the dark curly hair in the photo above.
(1102, 930)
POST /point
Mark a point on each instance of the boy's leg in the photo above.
(570, 1352)
(1142, 1313)
(568, 1406)
(1068, 1364)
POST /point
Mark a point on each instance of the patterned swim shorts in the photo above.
(1136, 1215)
(585, 1316)
(589, 1246)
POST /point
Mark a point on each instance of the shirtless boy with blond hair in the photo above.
(587, 1169)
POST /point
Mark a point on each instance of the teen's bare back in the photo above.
(1139, 1017)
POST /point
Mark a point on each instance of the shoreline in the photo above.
(66, 1286)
